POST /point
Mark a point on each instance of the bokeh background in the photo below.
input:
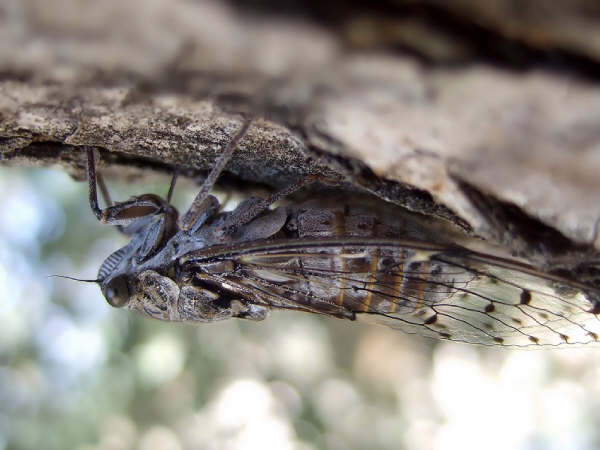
(77, 374)
(502, 94)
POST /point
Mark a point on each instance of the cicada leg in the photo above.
(202, 203)
(120, 213)
(253, 207)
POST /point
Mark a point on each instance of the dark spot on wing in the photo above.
(431, 320)
(525, 297)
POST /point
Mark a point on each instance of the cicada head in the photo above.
(113, 278)
(148, 292)
(149, 234)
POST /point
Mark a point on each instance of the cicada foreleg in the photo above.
(120, 213)
(203, 205)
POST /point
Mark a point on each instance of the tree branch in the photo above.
(508, 155)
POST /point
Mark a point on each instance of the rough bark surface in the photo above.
(402, 100)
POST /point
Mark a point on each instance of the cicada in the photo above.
(346, 256)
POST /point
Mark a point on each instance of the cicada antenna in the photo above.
(75, 279)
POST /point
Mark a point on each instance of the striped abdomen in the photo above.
(376, 279)
(348, 280)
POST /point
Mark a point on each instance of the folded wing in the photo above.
(429, 290)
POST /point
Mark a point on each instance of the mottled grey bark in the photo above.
(509, 155)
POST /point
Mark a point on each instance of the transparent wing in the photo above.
(434, 291)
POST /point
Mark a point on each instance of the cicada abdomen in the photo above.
(363, 261)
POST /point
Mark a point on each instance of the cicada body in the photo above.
(349, 257)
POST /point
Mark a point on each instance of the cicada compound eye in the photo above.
(117, 292)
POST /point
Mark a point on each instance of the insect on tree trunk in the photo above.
(351, 257)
